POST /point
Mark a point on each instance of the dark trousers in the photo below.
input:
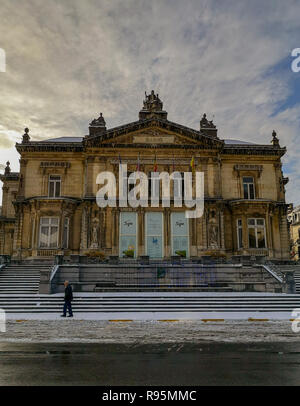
(68, 305)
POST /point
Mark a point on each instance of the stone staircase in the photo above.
(187, 302)
(158, 278)
(19, 294)
(297, 279)
(20, 279)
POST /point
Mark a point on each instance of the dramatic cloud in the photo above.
(69, 59)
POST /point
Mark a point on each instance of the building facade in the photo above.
(294, 228)
(50, 206)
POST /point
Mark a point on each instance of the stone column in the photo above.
(83, 231)
(284, 236)
(222, 231)
(141, 231)
(269, 232)
(108, 227)
(2, 239)
(167, 232)
(113, 231)
(205, 240)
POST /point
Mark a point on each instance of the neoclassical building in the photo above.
(50, 207)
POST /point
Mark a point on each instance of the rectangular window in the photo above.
(248, 187)
(154, 234)
(239, 234)
(49, 227)
(54, 185)
(257, 233)
(180, 234)
(66, 233)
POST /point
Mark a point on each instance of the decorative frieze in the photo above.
(55, 164)
(248, 167)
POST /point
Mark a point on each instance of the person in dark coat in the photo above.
(68, 300)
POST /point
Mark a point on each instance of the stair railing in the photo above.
(268, 269)
(53, 272)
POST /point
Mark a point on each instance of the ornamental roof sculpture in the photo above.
(275, 139)
(26, 137)
(208, 127)
(152, 107)
(151, 116)
(7, 168)
(97, 126)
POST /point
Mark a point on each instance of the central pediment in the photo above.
(152, 132)
(149, 136)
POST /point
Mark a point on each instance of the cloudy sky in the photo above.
(67, 60)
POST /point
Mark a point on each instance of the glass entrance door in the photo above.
(180, 234)
(154, 234)
(128, 234)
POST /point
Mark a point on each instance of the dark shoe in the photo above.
(62, 315)
(70, 315)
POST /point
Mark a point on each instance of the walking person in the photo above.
(68, 299)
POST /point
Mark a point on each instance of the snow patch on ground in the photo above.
(146, 316)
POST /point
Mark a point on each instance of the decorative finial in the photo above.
(275, 139)
(7, 169)
(26, 137)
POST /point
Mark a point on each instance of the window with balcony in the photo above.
(54, 185)
(248, 187)
(257, 233)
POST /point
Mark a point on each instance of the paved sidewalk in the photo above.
(145, 332)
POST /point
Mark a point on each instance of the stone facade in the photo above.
(50, 208)
(294, 227)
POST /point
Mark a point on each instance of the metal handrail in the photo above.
(53, 272)
(272, 273)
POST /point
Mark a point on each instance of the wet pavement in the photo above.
(150, 364)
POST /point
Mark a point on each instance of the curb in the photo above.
(121, 320)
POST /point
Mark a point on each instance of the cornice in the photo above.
(253, 149)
